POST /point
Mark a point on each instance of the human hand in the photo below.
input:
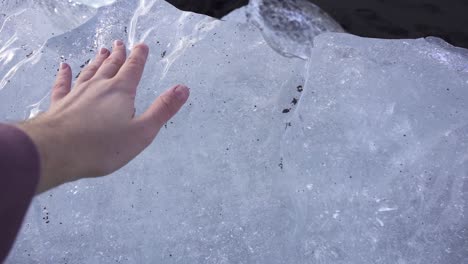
(91, 130)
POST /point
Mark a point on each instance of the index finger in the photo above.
(133, 68)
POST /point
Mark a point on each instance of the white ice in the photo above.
(357, 154)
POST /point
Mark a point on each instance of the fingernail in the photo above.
(63, 66)
(118, 43)
(103, 51)
(181, 92)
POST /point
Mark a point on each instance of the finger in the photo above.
(163, 109)
(62, 84)
(90, 70)
(133, 68)
(112, 64)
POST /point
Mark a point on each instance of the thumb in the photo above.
(164, 108)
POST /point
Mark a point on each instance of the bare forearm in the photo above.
(53, 170)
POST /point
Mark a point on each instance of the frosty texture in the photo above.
(356, 155)
(25, 26)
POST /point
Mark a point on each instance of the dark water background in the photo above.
(447, 19)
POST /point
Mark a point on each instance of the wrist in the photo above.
(54, 169)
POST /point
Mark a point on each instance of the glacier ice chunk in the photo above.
(291, 26)
(356, 155)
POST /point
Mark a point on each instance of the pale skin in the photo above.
(91, 130)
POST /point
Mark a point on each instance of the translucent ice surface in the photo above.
(356, 155)
(290, 26)
(95, 3)
(25, 27)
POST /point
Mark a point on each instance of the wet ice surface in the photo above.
(25, 26)
(357, 155)
(290, 26)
